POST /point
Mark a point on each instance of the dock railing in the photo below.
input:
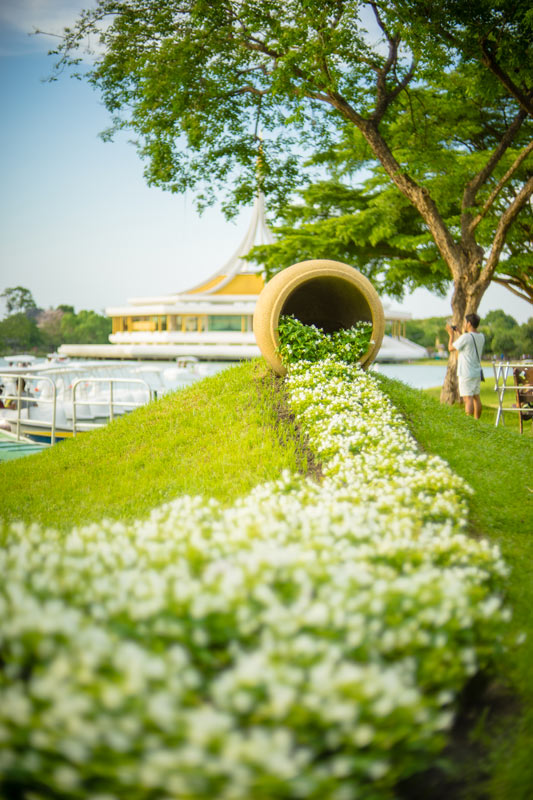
(110, 403)
(23, 400)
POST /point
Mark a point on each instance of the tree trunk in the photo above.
(450, 388)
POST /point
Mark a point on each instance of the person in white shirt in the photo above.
(470, 348)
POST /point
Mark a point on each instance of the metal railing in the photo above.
(24, 401)
(502, 371)
(110, 403)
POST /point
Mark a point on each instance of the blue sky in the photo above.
(78, 225)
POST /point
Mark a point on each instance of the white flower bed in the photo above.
(308, 642)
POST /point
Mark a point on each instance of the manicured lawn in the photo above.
(498, 465)
(489, 399)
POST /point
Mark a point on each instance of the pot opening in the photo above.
(329, 303)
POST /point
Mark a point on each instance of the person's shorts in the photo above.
(469, 387)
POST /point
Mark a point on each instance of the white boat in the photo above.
(398, 348)
(20, 360)
(48, 404)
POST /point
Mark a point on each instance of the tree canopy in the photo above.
(18, 300)
(28, 327)
(391, 81)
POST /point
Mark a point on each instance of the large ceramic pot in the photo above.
(328, 294)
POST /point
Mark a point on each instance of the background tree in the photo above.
(194, 79)
(31, 328)
(526, 338)
(426, 332)
(49, 324)
(18, 300)
(503, 336)
(18, 333)
(86, 327)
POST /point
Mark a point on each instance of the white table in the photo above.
(502, 371)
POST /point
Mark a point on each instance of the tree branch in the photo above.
(489, 61)
(417, 195)
(510, 284)
(504, 224)
(473, 186)
(497, 189)
(387, 98)
(247, 89)
(378, 19)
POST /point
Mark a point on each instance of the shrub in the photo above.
(300, 342)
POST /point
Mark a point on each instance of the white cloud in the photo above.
(47, 15)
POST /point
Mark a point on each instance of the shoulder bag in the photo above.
(481, 376)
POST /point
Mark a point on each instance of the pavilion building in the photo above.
(212, 320)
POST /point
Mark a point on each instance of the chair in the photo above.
(523, 380)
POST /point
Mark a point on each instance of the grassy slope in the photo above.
(489, 399)
(217, 438)
(498, 465)
(222, 436)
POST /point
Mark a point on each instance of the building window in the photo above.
(143, 323)
(190, 323)
(225, 322)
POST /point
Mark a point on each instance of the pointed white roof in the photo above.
(258, 233)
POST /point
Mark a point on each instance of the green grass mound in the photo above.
(217, 438)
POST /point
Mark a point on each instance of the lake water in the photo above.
(419, 376)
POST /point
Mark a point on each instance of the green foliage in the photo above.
(18, 332)
(379, 86)
(300, 342)
(503, 335)
(86, 327)
(375, 230)
(426, 332)
(499, 32)
(442, 133)
(499, 319)
(526, 336)
(31, 328)
(503, 342)
(18, 300)
(515, 270)
(196, 81)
